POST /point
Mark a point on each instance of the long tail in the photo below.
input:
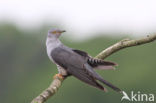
(101, 64)
(109, 84)
(98, 77)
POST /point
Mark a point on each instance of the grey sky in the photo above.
(137, 17)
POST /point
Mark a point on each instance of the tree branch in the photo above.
(56, 83)
(124, 44)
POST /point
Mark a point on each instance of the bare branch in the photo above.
(50, 91)
(56, 83)
(124, 44)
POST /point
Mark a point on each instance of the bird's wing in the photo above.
(100, 64)
(74, 64)
(96, 63)
(82, 53)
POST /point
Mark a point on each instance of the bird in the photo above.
(77, 63)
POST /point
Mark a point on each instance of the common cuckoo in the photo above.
(76, 62)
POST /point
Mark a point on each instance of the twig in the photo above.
(56, 83)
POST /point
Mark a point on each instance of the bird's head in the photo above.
(55, 33)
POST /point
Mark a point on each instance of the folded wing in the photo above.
(74, 64)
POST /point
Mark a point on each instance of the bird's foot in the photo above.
(59, 76)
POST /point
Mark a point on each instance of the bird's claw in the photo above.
(59, 76)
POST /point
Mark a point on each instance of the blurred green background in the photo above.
(25, 70)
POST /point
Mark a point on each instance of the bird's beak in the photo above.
(62, 31)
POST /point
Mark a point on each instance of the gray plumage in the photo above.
(75, 62)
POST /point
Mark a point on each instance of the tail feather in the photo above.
(101, 64)
(109, 84)
(100, 87)
(99, 78)
(103, 67)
